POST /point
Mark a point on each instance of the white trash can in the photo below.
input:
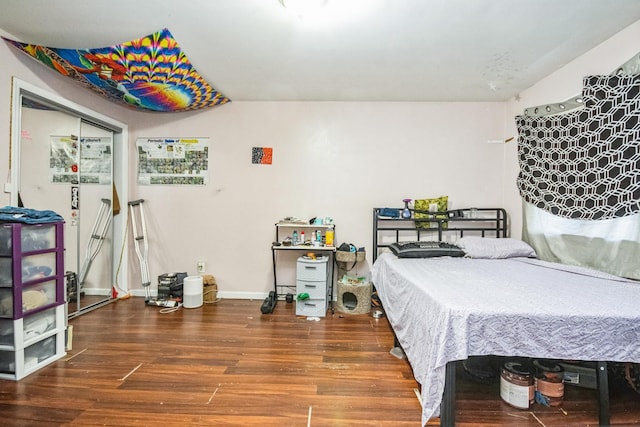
(192, 290)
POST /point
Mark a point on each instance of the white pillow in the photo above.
(493, 248)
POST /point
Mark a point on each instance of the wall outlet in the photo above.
(200, 266)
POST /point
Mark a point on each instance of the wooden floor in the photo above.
(226, 364)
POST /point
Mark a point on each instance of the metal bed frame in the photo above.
(438, 226)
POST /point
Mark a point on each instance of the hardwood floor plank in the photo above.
(226, 364)
(14, 414)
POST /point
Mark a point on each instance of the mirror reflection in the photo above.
(66, 166)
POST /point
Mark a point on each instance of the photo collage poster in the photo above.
(84, 160)
(173, 161)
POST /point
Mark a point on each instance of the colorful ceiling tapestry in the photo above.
(151, 73)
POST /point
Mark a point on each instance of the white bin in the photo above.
(192, 290)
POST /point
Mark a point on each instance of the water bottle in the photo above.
(294, 238)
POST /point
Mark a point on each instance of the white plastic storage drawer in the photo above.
(38, 237)
(312, 269)
(7, 362)
(313, 307)
(34, 237)
(33, 297)
(314, 289)
(5, 239)
(6, 302)
(39, 295)
(37, 324)
(39, 352)
(6, 272)
(6, 332)
(38, 266)
(15, 333)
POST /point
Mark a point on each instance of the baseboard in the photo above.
(221, 294)
(96, 291)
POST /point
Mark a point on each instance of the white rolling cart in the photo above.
(312, 286)
(284, 233)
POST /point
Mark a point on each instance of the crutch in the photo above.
(143, 253)
(96, 239)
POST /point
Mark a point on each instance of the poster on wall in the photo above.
(95, 160)
(173, 161)
(86, 162)
(261, 155)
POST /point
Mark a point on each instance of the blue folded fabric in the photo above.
(28, 216)
(390, 212)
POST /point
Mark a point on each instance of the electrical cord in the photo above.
(167, 310)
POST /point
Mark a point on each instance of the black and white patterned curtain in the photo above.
(585, 164)
(580, 178)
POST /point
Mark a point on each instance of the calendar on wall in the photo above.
(84, 160)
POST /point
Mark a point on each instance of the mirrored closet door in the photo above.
(66, 164)
(94, 218)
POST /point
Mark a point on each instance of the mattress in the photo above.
(447, 309)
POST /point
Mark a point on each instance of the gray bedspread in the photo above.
(446, 309)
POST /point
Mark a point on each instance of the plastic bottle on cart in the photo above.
(329, 237)
(319, 236)
(302, 237)
(313, 237)
(406, 212)
(294, 238)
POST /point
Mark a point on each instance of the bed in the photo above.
(500, 302)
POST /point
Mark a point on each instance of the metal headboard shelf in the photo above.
(440, 226)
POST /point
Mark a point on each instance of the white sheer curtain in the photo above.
(611, 245)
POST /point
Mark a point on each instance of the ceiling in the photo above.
(353, 50)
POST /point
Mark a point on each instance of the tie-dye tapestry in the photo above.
(580, 178)
(151, 73)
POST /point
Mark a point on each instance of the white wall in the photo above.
(563, 84)
(330, 159)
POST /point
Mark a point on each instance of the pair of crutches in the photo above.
(96, 239)
(99, 232)
(136, 209)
